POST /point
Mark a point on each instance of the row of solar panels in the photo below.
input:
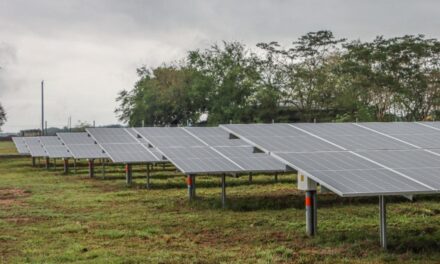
(351, 159)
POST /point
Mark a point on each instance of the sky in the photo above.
(88, 51)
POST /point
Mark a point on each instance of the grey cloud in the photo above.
(88, 50)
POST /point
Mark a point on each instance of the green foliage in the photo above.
(2, 116)
(318, 78)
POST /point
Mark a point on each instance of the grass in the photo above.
(47, 217)
(7, 147)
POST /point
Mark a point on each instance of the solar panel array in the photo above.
(20, 145)
(121, 146)
(356, 159)
(81, 146)
(54, 147)
(35, 147)
(207, 150)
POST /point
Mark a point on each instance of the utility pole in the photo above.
(42, 108)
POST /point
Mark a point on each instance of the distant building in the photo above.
(30, 133)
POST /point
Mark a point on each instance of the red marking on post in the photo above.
(308, 201)
(126, 168)
(188, 181)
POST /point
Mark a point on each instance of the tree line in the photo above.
(317, 78)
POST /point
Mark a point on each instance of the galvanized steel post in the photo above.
(66, 166)
(224, 190)
(311, 213)
(128, 174)
(383, 222)
(91, 168)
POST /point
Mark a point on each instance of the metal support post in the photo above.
(311, 213)
(66, 166)
(383, 222)
(74, 166)
(54, 164)
(91, 168)
(148, 176)
(276, 176)
(128, 174)
(47, 162)
(33, 162)
(193, 186)
(190, 186)
(250, 177)
(223, 190)
(103, 167)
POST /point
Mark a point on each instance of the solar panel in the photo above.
(20, 145)
(37, 151)
(334, 165)
(250, 161)
(75, 138)
(50, 141)
(420, 165)
(122, 146)
(57, 151)
(415, 134)
(201, 159)
(351, 137)
(168, 137)
(350, 175)
(215, 136)
(278, 138)
(81, 146)
(111, 135)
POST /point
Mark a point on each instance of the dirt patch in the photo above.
(22, 220)
(9, 197)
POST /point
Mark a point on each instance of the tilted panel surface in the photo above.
(350, 175)
(20, 145)
(168, 137)
(87, 151)
(76, 138)
(50, 141)
(413, 133)
(57, 151)
(215, 136)
(111, 135)
(417, 164)
(351, 137)
(278, 138)
(196, 160)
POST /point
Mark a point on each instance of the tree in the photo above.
(2, 116)
(306, 84)
(231, 72)
(167, 95)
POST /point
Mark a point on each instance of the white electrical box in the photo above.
(305, 183)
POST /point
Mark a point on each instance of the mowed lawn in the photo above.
(48, 217)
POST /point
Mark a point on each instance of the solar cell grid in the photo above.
(57, 151)
(111, 135)
(352, 137)
(50, 141)
(20, 145)
(77, 138)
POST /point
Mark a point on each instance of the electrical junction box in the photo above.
(305, 183)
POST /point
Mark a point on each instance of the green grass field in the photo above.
(48, 217)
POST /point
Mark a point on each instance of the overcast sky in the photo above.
(87, 51)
